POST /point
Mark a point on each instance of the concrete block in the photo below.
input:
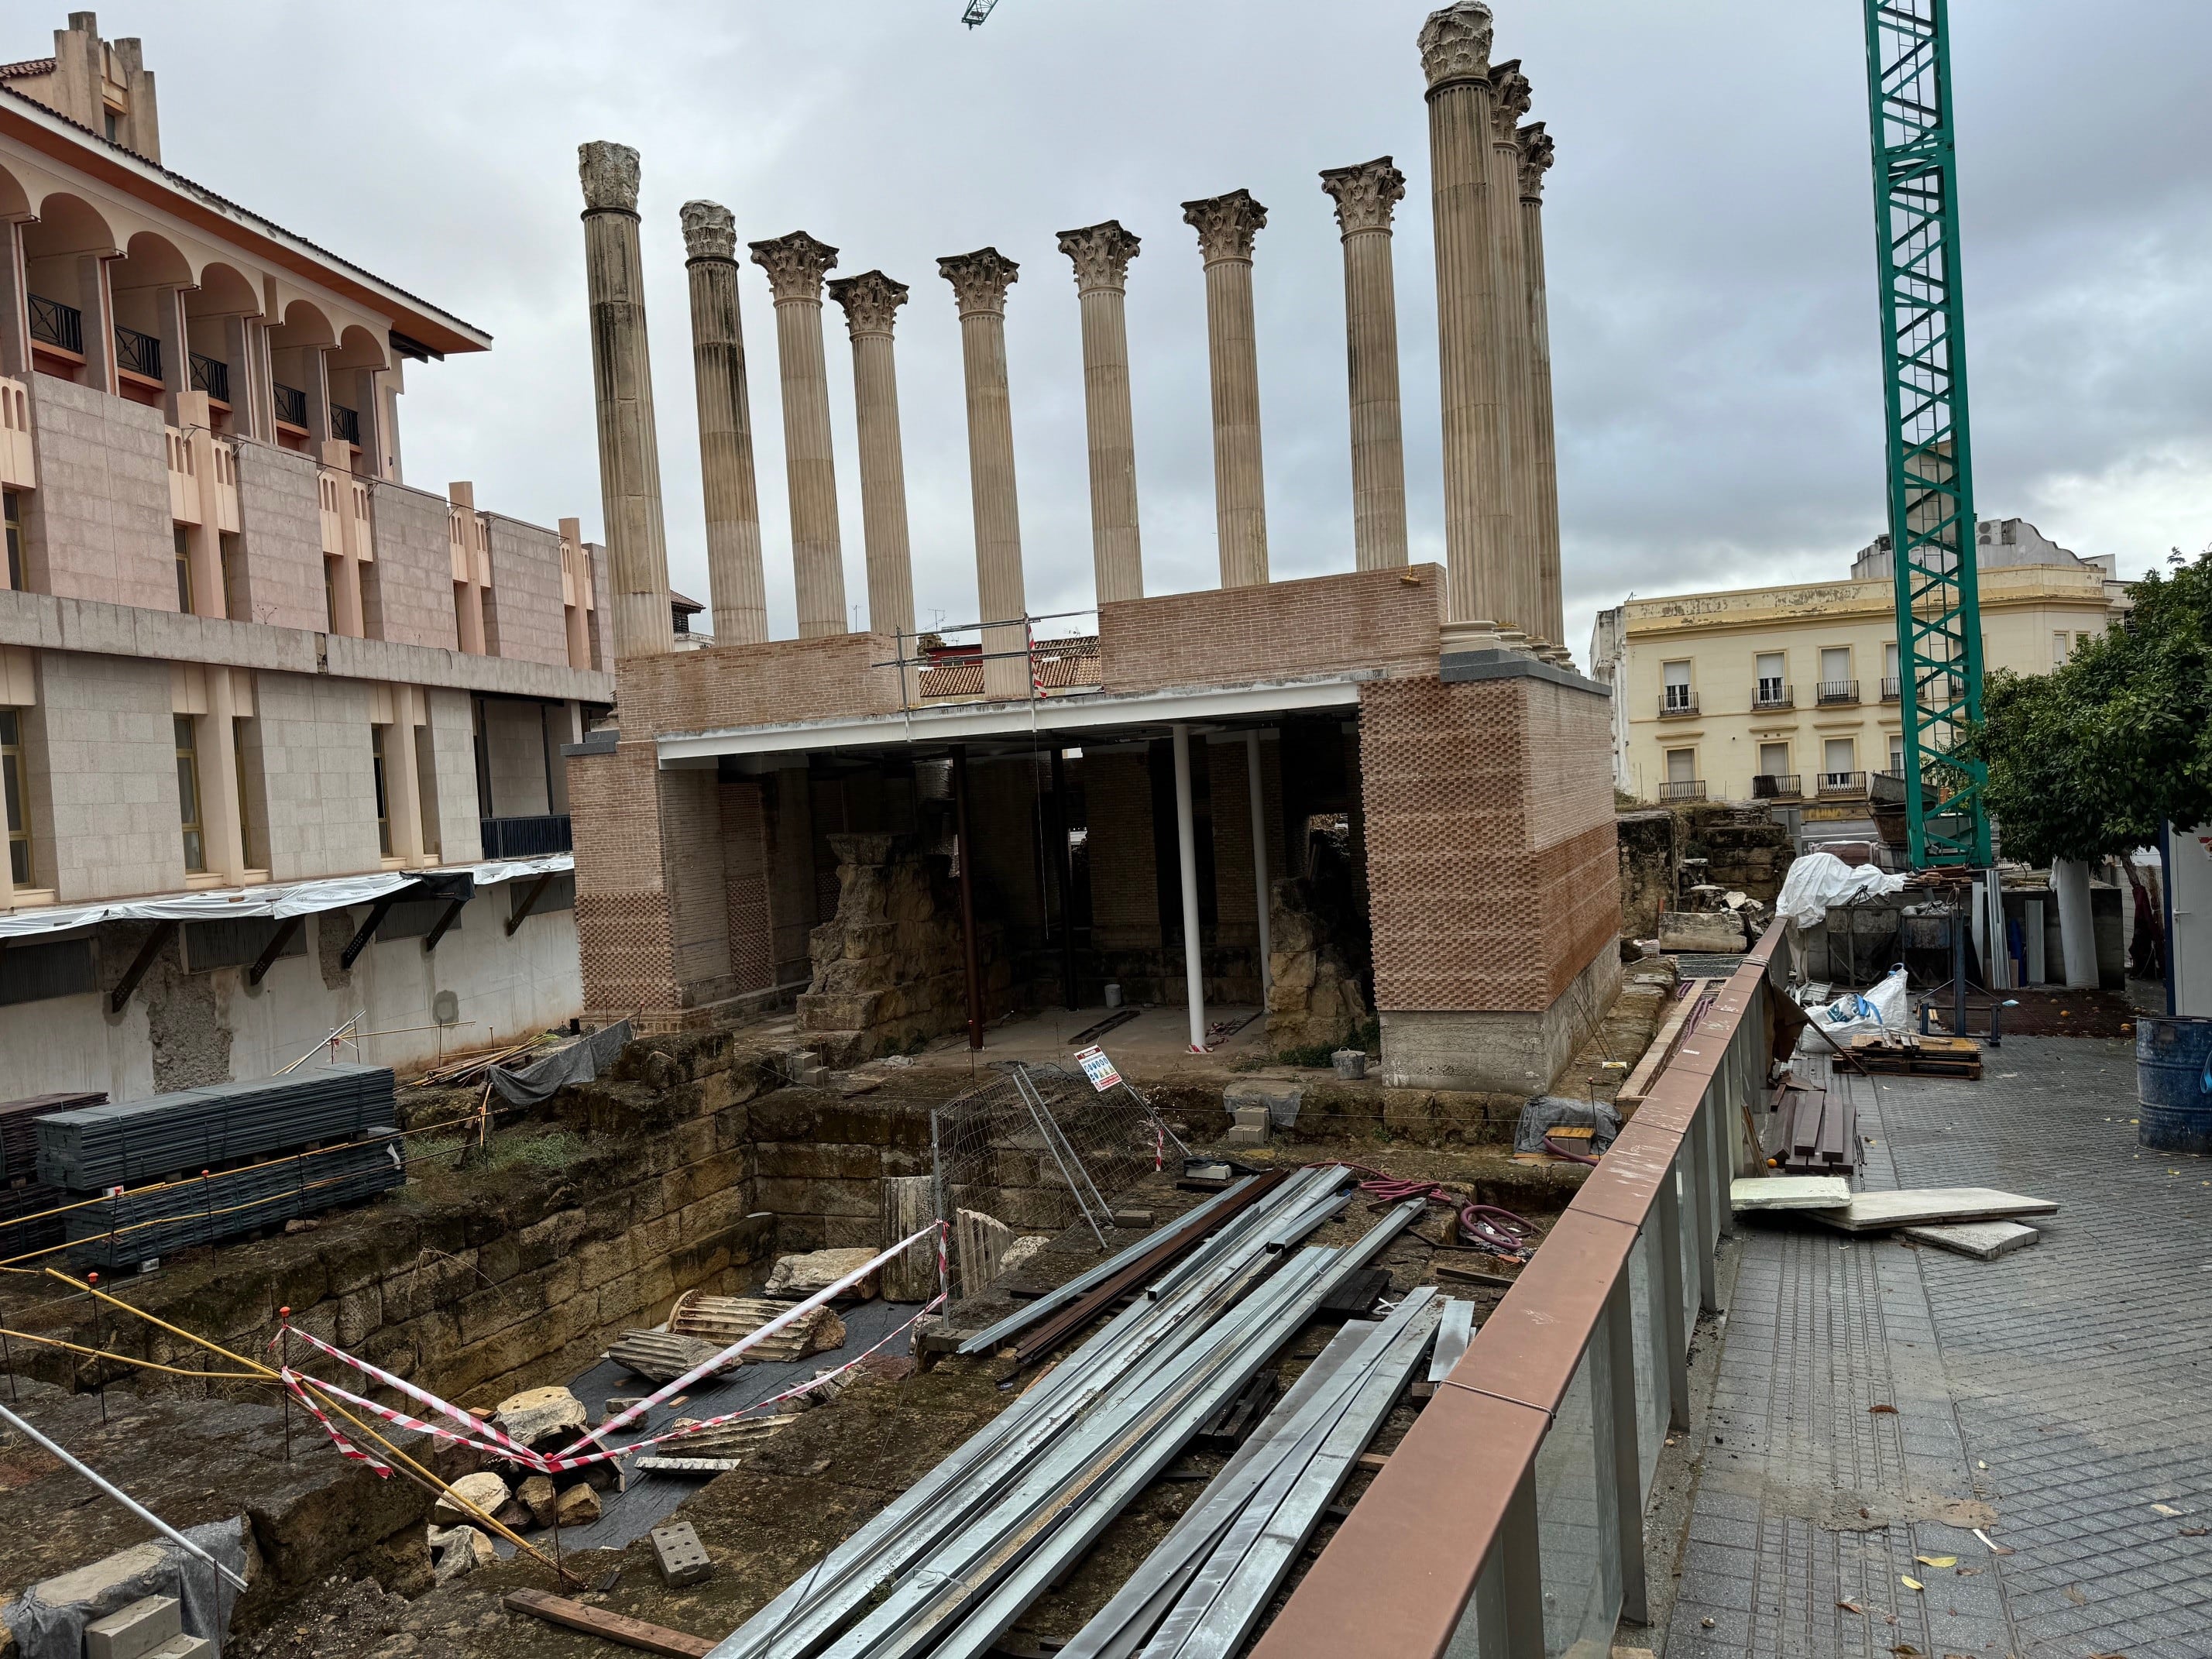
(137, 1629)
(681, 1559)
(182, 1647)
(1241, 1136)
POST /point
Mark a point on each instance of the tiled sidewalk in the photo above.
(2056, 1396)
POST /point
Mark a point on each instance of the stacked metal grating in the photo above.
(21, 1192)
(130, 1227)
(97, 1147)
(947, 1568)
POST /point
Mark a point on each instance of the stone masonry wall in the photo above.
(281, 537)
(104, 767)
(526, 573)
(98, 526)
(414, 568)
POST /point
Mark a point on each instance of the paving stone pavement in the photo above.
(2058, 1396)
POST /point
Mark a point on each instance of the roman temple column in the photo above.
(1509, 298)
(1225, 227)
(1101, 254)
(1364, 196)
(1536, 162)
(795, 266)
(737, 588)
(980, 281)
(871, 302)
(1455, 46)
(622, 378)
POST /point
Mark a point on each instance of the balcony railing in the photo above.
(211, 375)
(1678, 700)
(1843, 783)
(1687, 789)
(139, 352)
(1892, 687)
(1773, 694)
(345, 423)
(292, 406)
(1839, 691)
(1775, 786)
(58, 324)
(525, 838)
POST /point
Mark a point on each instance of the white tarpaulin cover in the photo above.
(1818, 880)
(292, 899)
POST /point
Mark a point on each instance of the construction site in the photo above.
(1197, 1127)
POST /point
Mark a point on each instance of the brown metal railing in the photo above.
(1512, 1514)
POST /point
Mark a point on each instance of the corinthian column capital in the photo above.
(980, 280)
(1365, 194)
(795, 265)
(1510, 98)
(610, 175)
(870, 301)
(1535, 160)
(1226, 225)
(1101, 254)
(710, 230)
(1456, 44)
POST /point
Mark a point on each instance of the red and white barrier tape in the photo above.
(346, 1447)
(504, 1446)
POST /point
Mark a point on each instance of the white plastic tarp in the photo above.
(1819, 880)
(294, 899)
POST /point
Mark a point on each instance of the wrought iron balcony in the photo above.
(345, 423)
(139, 352)
(211, 375)
(1773, 694)
(525, 838)
(1892, 687)
(1688, 789)
(292, 406)
(1777, 786)
(57, 324)
(1834, 691)
(1677, 701)
(1843, 783)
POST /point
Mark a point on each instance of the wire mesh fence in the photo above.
(1039, 1149)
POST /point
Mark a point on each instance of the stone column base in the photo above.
(1503, 1052)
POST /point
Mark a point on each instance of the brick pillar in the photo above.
(1364, 196)
(745, 861)
(736, 586)
(1225, 227)
(796, 264)
(1102, 253)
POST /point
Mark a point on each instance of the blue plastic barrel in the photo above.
(2173, 1084)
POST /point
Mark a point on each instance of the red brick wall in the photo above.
(1117, 794)
(1385, 619)
(622, 904)
(728, 685)
(744, 854)
(1492, 871)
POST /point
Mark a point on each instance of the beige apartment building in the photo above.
(279, 732)
(1790, 694)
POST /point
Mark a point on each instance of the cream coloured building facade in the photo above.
(1790, 694)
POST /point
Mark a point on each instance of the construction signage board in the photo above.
(1096, 1066)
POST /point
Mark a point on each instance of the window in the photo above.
(426, 788)
(1835, 663)
(1770, 670)
(1897, 753)
(1677, 676)
(1774, 760)
(14, 509)
(2059, 645)
(1839, 761)
(383, 803)
(2081, 640)
(15, 787)
(249, 828)
(188, 796)
(1889, 660)
(329, 597)
(233, 575)
(184, 572)
(1681, 765)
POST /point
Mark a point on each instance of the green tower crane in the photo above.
(1930, 458)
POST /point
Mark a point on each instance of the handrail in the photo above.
(1451, 1528)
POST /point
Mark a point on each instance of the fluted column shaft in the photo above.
(1226, 226)
(1509, 292)
(1536, 161)
(737, 587)
(870, 303)
(1102, 254)
(622, 378)
(795, 266)
(980, 281)
(1364, 196)
(1456, 55)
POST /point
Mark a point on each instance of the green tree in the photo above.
(2088, 760)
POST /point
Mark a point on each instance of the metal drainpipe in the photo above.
(1066, 862)
(972, 960)
(1194, 949)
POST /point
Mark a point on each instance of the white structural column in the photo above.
(796, 264)
(1101, 254)
(1508, 309)
(1260, 855)
(980, 281)
(1366, 195)
(402, 810)
(1455, 57)
(736, 587)
(1225, 227)
(871, 303)
(1194, 947)
(2077, 934)
(622, 378)
(1536, 161)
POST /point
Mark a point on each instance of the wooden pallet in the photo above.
(1920, 1056)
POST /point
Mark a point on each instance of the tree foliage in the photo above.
(2089, 760)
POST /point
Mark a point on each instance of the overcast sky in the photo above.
(1708, 228)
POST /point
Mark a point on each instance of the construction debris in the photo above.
(980, 1244)
(1985, 1240)
(611, 1626)
(662, 1356)
(681, 1559)
(579, 1506)
(728, 1439)
(541, 1415)
(1875, 1212)
(1791, 1193)
(802, 1275)
(484, 1491)
(459, 1550)
(535, 1495)
(721, 1320)
(1913, 1055)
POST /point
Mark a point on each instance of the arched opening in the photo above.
(65, 287)
(145, 285)
(355, 405)
(216, 313)
(301, 394)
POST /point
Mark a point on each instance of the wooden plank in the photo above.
(1662, 1044)
(611, 1626)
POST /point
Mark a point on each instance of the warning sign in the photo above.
(1096, 1066)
